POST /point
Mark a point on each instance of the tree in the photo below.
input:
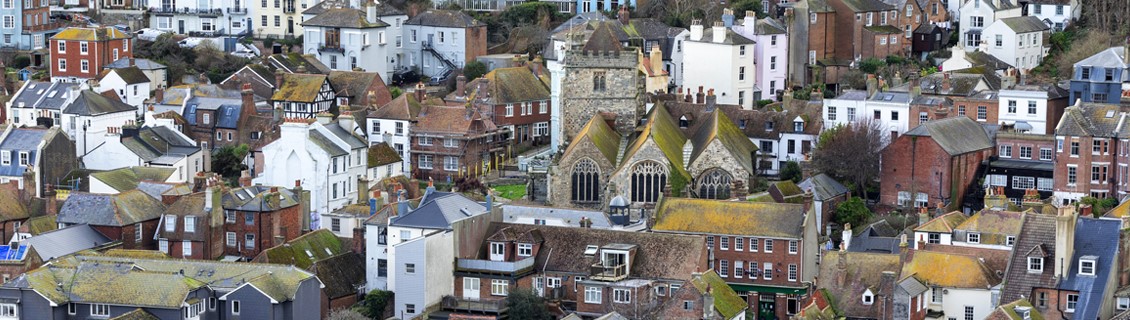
(741, 6)
(525, 304)
(850, 152)
(791, 171)
(474, 69)
(228, 161)
(376, 304)
(346, 314)
(852, 211)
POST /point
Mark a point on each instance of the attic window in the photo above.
(1035, 265)
(1110, 113)
(1087, 266)
(310, 254)
(868, 297)
(591, 250)
(798, 126)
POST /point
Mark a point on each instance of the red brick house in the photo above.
(360, 89)
(240, 222)
(78, 54)
(450, 141)
(934, 162)
(516, 98)
(131, 217)
(1091, 153)
(598, 271)
(764, 251)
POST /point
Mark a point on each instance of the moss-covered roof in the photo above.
(125, 179)
(667, 136)
(136, 314)
(41, 224)
(90, 34)
(1008, 311)
(943, 224)
(303, 251)
(950, 270)
(11, 207)
(299, 87)
(726, 301)
(777, 220)
(788, 188)
(720, 127)
(381, 154)
(600, 134)
(515, 84)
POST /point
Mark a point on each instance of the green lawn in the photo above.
(512, 191)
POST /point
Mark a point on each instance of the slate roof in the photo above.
(877, 237)
(65, 241)
(1094, 239)
(820, 6)
(445, 19)
(131, 75)
(460, 121)
(260, 77)
(603, 38)
(606, 140)
(381, 154)
(304, 251)
(1025, 24)
(343, 18)
(438, 210)
(1092, 119)
(511, 213)
(290, 62)
(154, 282)
(1112, 58)
(43, 95)
(143, 64)
(847, 275)
(121, 209)
(743, 218)
(90, 103)
(510, 85)
(769, 26)
(299, 87)
(950, 270)
(256, 199)
(153, 143)
(1036, 239)
(732, 38)
(823, 187)
(91, 34)
(14, 208)
(127, 178)
(405, 107)
(956, 135)
(943, 224)
(22, 139)
(658, 255)
(726, 301)
(383, 9)
(867, 5)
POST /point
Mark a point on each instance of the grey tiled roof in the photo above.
(1094, 239)
(325, 143)
(43, 95)
(143, 64)
(1109, 58)
(438, 210)
(1036, 239)
(353, 141)
(252, 199)
(1092, 119)
(90, 103)
(1025, 24)
(344, 18)
(121, 209)
(956, 135)
(731, 37)
(511, 214)
(891, 96)
(445, 19)
(867, 5)
(58, 243)
(823, 187)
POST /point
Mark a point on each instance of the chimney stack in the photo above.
(248, 101)
(845, 240)
(518, 61)
(371, 11)
(711, 99)
(872, 84)
(158, 95)
(624, 16)
(718, 32)
(696, 30)
(1064, 239)
(461, 85)
(245, 178)
(421, 92)
(278, 78)
(536, 65)
(728, 17)
(700, 97)
(946, 82)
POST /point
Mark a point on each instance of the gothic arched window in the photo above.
(714, 184)
(648, 180)
(586, 181)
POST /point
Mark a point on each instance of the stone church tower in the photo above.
(601, 76)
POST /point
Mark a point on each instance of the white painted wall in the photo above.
(955, 301)
(675, 67)
(374, 251)
(371, 55)
(946, 238)
(434, 257)
(980, 8)
(716, 65)
(1024, 51)
(397, 139)
(452, 47)
(132, 94)
(1022, 98)
(1059, 18)
(770, 76)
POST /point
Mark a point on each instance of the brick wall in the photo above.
(1083, 163)
(821, 37)
(780, 257)
(919, 165)
(970, 105)
(99, 53)
(476, 44)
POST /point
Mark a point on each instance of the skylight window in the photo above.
(1110, 113)
(591, 250)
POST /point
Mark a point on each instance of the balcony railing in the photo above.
(469, 305)
(236, 10)
(198, 11)
(207, 34)
(509, 267)
(331, 48)
(600, 272)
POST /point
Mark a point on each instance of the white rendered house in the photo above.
(975, 15)
(722, 60)
(201, 18)
(1018, 41)
(1057, 14)
(770, 52)
(128, 147)
(438, 41)
(347, 38)
(82, 113)
(1028, 105)
(322, 157)
(130, 84)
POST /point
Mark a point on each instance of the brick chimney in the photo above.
(278, 78)
(711, 99)
(872, 85)
(461, 85)
(518, 61)
(536, 65)
(700, 97)
(946, 82)
(247, 109)
(624, 16)
(52, 208)
(245, 178)
(159, 95)
(421, 92)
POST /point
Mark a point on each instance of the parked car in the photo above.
(149, 34)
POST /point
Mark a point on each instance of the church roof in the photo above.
(720, 127)
(602, 136)
(667, 136)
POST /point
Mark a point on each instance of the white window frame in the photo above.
(1035, 265)
(99, 310)
(621, 295)
(973, 237)
(1087, 264)
(593, 294)
(230, 239)
(525, 249)
(499, 287)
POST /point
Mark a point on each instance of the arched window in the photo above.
(714, 184)
(648, 180)
(586, 181)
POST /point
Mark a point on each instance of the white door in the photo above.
(471, 288)
(497, 251)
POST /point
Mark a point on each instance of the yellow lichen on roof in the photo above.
(90, 34)
(950, 270)
(779, 220)
(991, 221)
(944, 224)
(601, 135)
(299, 87)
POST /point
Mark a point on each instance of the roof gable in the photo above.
(597, 132)
(956, 135)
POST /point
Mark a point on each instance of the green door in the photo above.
(767, 307)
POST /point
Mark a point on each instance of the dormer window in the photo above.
(769, 126)
(798, 126)
(1035, 265)
(24, 158)
(5, 157)
(497, 251)
(1087, 266)
(525, 249)
(973, 238)
(868, 297)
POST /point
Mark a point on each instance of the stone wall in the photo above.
(560, 190)
(621, 96)
(622, 178)
(717, 156)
